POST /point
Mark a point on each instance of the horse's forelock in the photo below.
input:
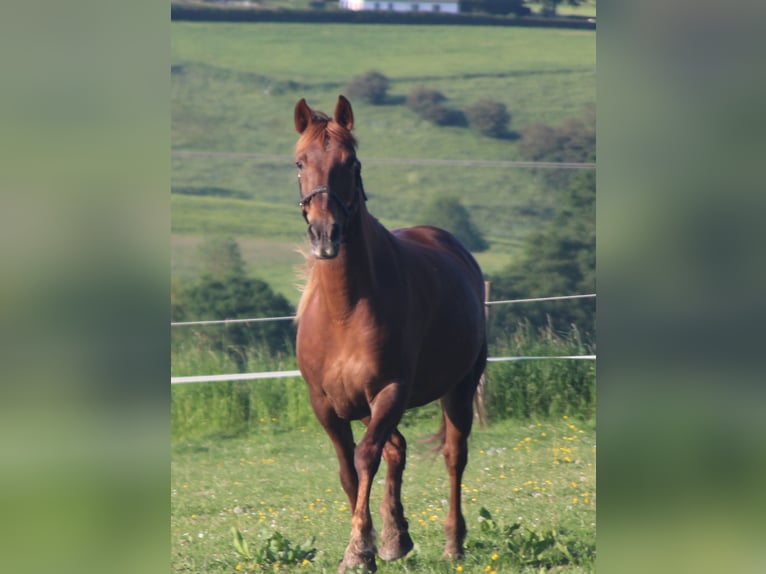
(343, 136)
(324, 130)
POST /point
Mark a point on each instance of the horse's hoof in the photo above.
(395, 546)
(353, 561)
(453, 553)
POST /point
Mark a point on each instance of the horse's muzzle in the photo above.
(325, 240)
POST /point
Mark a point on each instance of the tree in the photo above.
(224, 291)
(221, 256)
(372, 87)
(558, 260)
(574, 140)
(448, 213)
(489, 117)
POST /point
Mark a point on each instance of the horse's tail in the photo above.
(478, 401)
(439, 437)
(480, 370)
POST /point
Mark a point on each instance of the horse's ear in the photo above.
(344, 115)
(302, 116)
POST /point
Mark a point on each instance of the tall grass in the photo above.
(233, 408)
(516, 390)
(542, 388)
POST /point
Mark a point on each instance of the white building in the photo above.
(411, 6)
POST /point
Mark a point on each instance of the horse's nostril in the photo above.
(335, 232)
(313, 234)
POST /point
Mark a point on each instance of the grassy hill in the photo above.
(233, 91)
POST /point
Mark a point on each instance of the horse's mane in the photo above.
(309, 283)
(325, 129)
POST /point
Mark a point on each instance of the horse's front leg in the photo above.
(395, 539)
(386, 411)
(342, 438)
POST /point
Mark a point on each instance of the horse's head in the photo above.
(329, 175)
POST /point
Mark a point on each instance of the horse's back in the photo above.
(426, 241)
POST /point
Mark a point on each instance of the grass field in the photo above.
(540, 475)
(234, 87)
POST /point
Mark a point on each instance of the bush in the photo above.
(427, 103)
(372, 87)
(489, 117)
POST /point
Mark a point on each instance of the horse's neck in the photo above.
(351, 276)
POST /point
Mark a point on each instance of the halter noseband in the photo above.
(324, 189)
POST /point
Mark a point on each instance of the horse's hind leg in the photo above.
(457, 408)
(395, 539)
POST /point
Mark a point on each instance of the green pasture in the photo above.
(251, 456)
(234, 87)
(539, 475)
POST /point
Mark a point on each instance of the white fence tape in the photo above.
(286, 374)
(230, 321)
(498, 359)
(235, 377)
(291, 317)
(536, 299)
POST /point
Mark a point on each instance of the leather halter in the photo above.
(347, 209)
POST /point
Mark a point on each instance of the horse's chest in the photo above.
(345, 369)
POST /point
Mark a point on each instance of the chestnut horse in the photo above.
(388, 321)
